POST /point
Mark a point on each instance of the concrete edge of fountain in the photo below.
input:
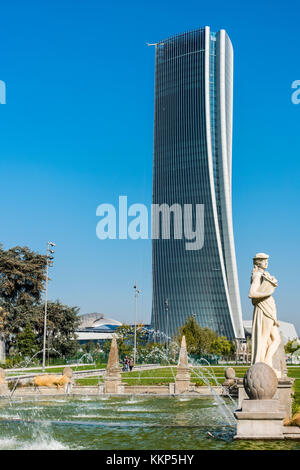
(158, 391)
(89, 391)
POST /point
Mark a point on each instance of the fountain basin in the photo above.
(120, 422)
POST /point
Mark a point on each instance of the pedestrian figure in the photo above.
(131, 364)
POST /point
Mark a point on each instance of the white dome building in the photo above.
(96, 327)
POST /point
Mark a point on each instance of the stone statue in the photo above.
(265, 333)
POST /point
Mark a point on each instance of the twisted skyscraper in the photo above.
(192, 165)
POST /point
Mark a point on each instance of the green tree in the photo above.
(198, 340)
(125, 338)
(3, 323)
(291, 346)
(62, 322)
(206, 340)
(221, 346)
(89, 347)
(26, 342)
(106, 347)
(22, 275)
(192, 332)
(22, 278)
(203, 341)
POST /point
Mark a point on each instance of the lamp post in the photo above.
(167, 317)
(136, 294)
(50, 252)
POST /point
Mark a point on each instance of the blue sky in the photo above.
(77, 131)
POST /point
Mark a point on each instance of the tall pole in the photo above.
(167, 316)
(49, 261)
(135, 312)
(45, 312)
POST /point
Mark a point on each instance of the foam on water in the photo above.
(125, 409)
(131, 401)
(7, 443)
(81, 416)
(40, 444)
(43, 444)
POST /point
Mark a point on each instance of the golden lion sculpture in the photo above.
(51, 381)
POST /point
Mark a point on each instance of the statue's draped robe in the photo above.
(264, 315)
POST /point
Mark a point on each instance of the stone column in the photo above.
(112, 378)
(183, 376)
(2, 349)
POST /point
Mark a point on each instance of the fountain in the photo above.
(154, 413)
(187, 420)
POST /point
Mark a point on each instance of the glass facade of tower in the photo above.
(192, 165)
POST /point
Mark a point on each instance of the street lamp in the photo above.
(50, 258)
(167, 316)
(136, 294)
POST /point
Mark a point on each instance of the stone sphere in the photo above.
(68, 372)
(260, 382)
(230, 373)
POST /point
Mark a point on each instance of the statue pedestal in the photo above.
(4, 390)
(113, 385)
(283, 394)
(260, 419)
(182, 382)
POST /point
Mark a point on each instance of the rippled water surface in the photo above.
(161, 423)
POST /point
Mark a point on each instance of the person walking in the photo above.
(131, 364)
(127, 363)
